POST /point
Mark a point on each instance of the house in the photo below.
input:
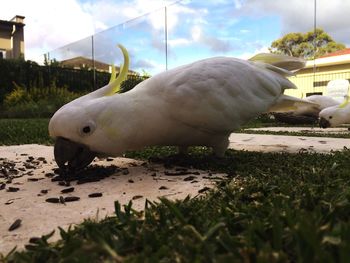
(12, 38)
(88, 63)
(85, 63)
(314, 78)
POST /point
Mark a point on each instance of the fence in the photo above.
(186, 31)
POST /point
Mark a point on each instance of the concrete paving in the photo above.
(314, 130)
(141, 181)
(289, 144)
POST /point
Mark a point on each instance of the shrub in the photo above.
(131, 82)
(40, 102)
(35, 102)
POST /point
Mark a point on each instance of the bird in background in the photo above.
(335, 115)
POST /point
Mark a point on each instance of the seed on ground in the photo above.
(34, 240)
(189, 178)
(12, 189)
(92, 195)
(71, 198)
(49, 174)
(10, 201)
(53, 200)
(204, 189)
(15, 224)
(67, 190)
(34, 179)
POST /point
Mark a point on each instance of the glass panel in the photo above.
(143, 37)
(321, 75)
(72, 54)
(77, 61)
(199, 29)
(187, 31)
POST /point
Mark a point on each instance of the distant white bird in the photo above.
(335, 115)
(320, 102)
(196, 104)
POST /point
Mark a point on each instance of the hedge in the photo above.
(29, 74)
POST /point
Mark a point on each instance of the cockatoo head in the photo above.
(335, 115)
(75, 128)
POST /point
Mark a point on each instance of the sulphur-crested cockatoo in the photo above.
(320, 102)
(335, 115)
(196, 104)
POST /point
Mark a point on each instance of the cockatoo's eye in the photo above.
(330, 117)
(87, 129)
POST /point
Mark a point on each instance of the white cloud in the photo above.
(179, 42)
(247, 55)
(244, 31)
(115, 12)
(150, 66)
(196, 33)
(53, 24)
(238, 4)
(298, 15)
(49, 24)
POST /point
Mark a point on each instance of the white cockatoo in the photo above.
(335, 115)
(320, 102)
(196, 104)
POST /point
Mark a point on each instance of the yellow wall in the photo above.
(5, 42)
(12, 44)
(308, 82)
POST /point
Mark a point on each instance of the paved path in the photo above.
(291, 144)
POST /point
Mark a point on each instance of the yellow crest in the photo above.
(346, 101)
(123, 73)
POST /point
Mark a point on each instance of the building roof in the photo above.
(334, 58)
(80, 61)
(345, 51)
(16, 20)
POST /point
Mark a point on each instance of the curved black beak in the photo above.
(324, 123)
(71, 156)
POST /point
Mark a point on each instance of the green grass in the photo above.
(271, 208)
(24, 131)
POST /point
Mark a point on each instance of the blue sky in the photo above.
(196, 29)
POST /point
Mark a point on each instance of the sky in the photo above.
(196, 29)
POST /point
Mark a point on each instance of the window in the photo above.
(2, 53)
(313, 93)
(321, 83)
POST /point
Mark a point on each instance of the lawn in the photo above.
(24, 131)
(271, 208)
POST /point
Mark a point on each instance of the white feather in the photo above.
(196, 104)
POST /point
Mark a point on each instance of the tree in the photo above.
(310, 45)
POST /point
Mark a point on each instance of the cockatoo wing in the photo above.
(280, 61)
(322, 101)
(287, 103)
(217, 94)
